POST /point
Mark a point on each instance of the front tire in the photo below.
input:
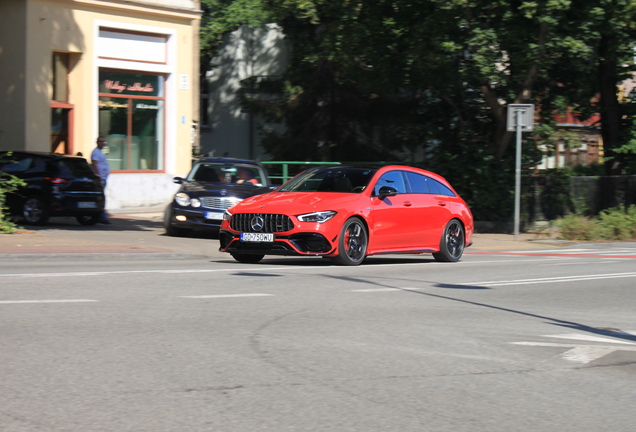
(451, 246)
(353, 242)
(247, 258)
(34, 210)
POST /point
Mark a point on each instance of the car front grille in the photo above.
(272, 223)
(218, 203)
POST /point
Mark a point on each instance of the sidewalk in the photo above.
(139, 233)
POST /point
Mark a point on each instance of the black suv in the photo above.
(212, 186)
(56, 185)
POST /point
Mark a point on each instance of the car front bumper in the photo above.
(298, 243)
(196, 219)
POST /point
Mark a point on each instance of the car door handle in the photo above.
(407, 203)
(442, 203)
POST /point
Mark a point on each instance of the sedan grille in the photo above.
(272, 223)
(218, 202)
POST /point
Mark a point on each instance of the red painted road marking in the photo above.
(543, 254)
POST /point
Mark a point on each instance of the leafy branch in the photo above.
(8, 183)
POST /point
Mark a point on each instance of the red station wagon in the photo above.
(348, 213)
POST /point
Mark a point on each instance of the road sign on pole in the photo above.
(527, 117)
(520, 118)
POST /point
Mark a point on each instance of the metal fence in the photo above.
(553, 197)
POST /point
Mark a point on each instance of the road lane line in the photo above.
(377, 290)
(46, 301)
(590, 338)
(227, 296)
(571, 262)
(281, 267)
(550, 279)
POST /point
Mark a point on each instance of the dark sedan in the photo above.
(56, 185)
(212, 186)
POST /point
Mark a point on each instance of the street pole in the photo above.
(518, 175)
(522, 115)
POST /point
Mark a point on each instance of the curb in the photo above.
(99, 256)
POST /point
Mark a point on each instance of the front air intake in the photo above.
(256, 222)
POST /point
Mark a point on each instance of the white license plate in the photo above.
(214, 215)
(86, 205)
(257, 237)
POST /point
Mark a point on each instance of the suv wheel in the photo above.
(34, 210)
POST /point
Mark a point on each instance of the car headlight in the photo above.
(182, 199)
(194, 202)
(227, 215)
(320, 217)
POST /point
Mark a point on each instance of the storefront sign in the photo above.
(146, 106)
(112, 104)
(129, 84)
(136, 87)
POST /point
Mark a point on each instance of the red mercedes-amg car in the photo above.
(348, 213)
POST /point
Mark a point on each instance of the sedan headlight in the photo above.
(182, 199)
(194, 202)
(320, 217)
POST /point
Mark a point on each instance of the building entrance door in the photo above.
(61, 129)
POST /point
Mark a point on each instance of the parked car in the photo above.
(348, 213)
(56, 185)
(212, 186)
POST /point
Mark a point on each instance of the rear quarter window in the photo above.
(439, 188)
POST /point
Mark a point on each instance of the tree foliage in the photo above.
(8, 183)
(428, 82)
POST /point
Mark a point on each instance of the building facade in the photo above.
(247, 56)
(71, 70)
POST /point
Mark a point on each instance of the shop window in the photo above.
(59, 77)
(131, 118)
(61, 139)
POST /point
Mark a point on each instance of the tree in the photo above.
(430, 81)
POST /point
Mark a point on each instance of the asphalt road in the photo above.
(512, 341)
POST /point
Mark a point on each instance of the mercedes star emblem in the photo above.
(257, 223)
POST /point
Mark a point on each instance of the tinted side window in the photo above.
(16, 165)
(41, 165)
(392, 179)
(439, 188)
(417, 182)
(75, 168)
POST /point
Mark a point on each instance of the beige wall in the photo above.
(12, 72)
(30, 30)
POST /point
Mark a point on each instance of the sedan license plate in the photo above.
(83, 204)
(257, 237)
(214, 215)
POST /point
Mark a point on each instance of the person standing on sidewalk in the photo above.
(100, 163)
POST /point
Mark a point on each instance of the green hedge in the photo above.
(611, 224)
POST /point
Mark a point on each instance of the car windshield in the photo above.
(332, 179)
(216, 172)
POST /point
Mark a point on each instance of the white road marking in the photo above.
(46, 301)
(377, 290)
(589, 338)
(586, 353)
(573, 262)
(281, 267)
(550, 279)
(228, 296)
